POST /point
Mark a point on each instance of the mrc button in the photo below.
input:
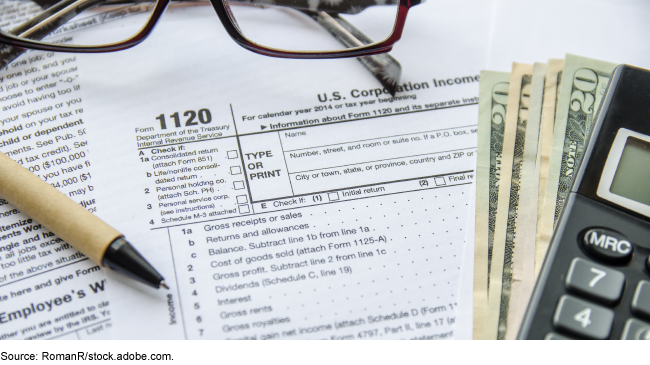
(607, 245)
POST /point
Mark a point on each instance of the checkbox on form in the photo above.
(238, 185)
(333, 196)
(235, 170)
(232, 154)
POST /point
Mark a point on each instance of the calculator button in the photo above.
(641, 300)
(583, 318)
(555, 336)
(595, 281)
(636, 330)
(607, 246)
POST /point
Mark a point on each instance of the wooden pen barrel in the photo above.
(55, 211)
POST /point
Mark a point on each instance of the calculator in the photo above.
(595, 281)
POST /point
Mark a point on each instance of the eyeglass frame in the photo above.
(161, 5)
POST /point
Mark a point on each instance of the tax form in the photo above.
(289, 199)
(281, 199)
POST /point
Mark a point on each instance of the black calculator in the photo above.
(595, 281)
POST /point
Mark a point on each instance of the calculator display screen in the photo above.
(632, 178)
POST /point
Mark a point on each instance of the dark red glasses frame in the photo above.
(223, 13)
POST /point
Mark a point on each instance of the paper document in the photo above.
(280, 199)
(47, 288)
(335, 212)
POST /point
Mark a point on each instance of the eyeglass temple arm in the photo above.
(383, 67)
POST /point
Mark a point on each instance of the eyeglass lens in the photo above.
(75, 22)
(314, 25)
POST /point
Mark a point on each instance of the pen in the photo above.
(73, 223)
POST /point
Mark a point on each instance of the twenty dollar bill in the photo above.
(584, 81)
(523, 262)
(508, 202)
(493, 101)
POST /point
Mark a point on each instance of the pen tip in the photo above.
(162, 284)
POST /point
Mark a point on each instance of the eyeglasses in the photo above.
(304, 29)
(278, 28)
